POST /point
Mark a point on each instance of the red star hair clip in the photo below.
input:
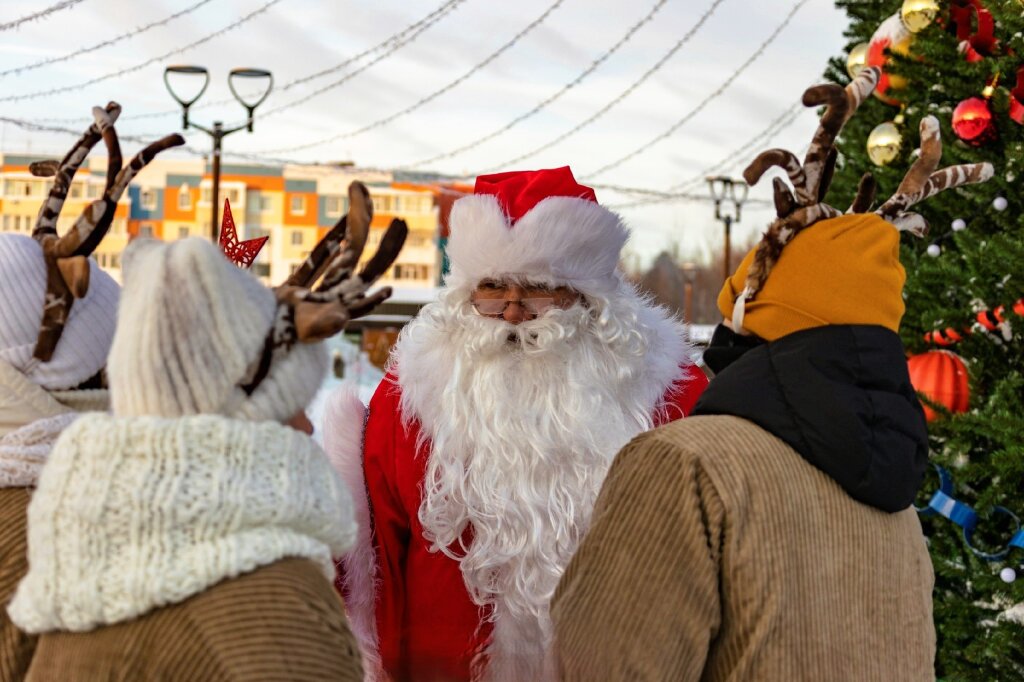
(242, 254)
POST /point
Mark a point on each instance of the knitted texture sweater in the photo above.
(132, 514)
(718, 553)
(280, 622)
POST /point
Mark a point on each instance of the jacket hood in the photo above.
(841, 397)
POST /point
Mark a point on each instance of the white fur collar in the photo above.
(132, 514)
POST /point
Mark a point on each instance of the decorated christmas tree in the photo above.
(963, 62)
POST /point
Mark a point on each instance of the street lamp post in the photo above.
(727, 189)
(218, 132)
(689, 274)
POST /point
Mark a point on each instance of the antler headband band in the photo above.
(67, 265)
(306, 314)
(805, 205)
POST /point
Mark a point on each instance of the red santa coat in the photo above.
(427, 626)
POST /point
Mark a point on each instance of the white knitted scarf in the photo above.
(131, 514)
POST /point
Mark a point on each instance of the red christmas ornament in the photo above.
(1017, 98)
(972, 122)
(943, 337)
(975, 29)
(942, 377)
(892, 35)
(241, 254)
(1018, 307)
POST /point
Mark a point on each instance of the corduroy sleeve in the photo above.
(639, 600)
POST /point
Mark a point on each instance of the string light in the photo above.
(714, 95)
(131, 69)
(421, 102)
(551, 99)
(105, 43)
(621, 96)
(391, 44)
(56, 7)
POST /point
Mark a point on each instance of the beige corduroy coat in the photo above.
(280, 622)
(718, 553)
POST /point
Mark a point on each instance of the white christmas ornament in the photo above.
(999, 203)
(934, 250)
(1008, 575)
(959, 224)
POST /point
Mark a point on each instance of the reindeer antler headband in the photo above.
(805, 205)
(308, 314)
(67, 265)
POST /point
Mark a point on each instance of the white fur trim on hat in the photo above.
(560, 241)
(85, 343)
(191, 325)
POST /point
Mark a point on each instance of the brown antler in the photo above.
(67, 256)
(923, 180)
(811, 178)
(64, 172)
(804, 205)
(866, 190)
(307, 314)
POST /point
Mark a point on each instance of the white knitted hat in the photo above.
(85, 342)
(190, 327)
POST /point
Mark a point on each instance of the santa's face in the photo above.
(515, 302)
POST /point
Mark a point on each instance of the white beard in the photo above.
(523, 423)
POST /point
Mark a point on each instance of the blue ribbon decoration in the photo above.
(942, 503)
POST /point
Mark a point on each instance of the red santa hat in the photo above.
(538, 226)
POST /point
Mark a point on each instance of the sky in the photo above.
(394, 97)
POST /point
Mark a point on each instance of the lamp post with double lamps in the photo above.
(218, 132)
(735, 191)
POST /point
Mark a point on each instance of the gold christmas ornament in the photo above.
(857, 59)
(918, 15)
(884, 143)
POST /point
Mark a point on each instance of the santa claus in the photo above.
(486, 444)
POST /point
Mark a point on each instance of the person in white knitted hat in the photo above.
(487, 443)
(57, 315)
(190, 534)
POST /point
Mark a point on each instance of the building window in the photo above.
(182, 232)
(336, 205)
(7, 222)
(206, 196)
(297, 205)
(233, 196)
(409, 271)
(261, 269)
(184, 198)
(296, 237)
(92, 191)
(265, 204)
(145, 230)
(76, 190)
(148, 199)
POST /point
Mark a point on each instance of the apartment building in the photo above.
(22, 194)
(292, 205)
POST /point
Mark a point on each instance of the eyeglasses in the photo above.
(495, 307)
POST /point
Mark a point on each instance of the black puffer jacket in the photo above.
(841, 397)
